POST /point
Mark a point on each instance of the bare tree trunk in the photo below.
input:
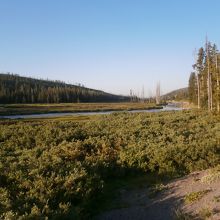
(197, 79)
(158, 94)
(208, 79)
(218, 107)
(198, 90)
(142, 94)
(211, 97)
(217, 73)
(131, 96)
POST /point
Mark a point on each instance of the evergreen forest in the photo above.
(17, 89)
(204, 88)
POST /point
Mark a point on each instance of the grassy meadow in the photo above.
(63, 167)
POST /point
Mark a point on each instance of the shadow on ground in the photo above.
(141, 204)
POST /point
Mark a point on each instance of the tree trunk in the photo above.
(198, 90)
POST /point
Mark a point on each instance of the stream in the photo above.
(58, 114)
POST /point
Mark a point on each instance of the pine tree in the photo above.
(207, 77)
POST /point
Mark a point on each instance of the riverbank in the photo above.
(90, 113)
(28, 109)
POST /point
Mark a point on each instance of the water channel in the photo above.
(60, 114)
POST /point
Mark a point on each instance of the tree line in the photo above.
(17, 89)
(177, 95)
(204, 89)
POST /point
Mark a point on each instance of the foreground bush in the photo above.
(54, 169)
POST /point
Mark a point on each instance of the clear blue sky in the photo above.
(113, 45)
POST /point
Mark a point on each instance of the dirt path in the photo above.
(196, 196)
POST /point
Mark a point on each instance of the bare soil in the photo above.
(191, 197)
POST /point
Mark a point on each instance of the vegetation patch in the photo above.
(64, 168)
(27, 109)
(205, 213)
(216, 198)
(213, 176)
(181, 215)
(155, 189)
(195, 196)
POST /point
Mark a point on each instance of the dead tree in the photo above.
(158, 94)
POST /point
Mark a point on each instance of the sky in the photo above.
(111, 45)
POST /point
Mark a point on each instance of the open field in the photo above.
(62, 168)
(19, 109)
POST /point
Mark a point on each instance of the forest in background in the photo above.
(177, 95)
(204, 89)
(17, 89)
